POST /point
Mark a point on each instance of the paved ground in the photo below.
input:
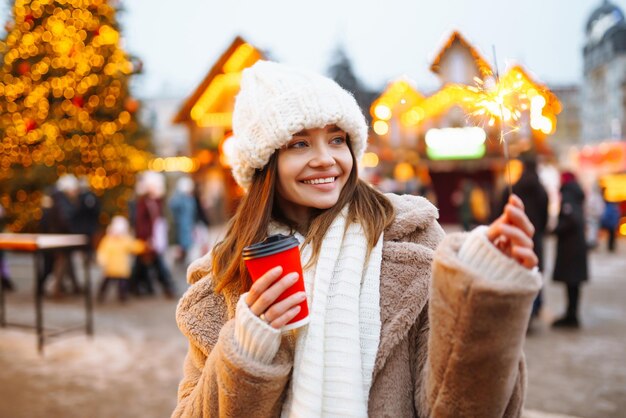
(132, 366)
(583, 372)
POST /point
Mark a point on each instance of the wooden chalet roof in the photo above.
(481, 63)
(184, 114)
(551, 98)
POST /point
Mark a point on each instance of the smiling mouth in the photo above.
(325, 180)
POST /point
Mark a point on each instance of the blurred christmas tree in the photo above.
(65, 105)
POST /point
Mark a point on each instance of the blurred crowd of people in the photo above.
(69, 208)
(131, 250)
(582, 220)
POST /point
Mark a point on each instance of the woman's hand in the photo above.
(512, 233)
(262, 297)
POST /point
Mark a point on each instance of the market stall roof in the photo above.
(456, 37)
(550, 97)
(399, 92)
(516, 89)
(212, 98)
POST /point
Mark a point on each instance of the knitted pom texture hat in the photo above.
(275, 102)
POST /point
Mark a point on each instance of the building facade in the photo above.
(604, 86)
(168, 139)
(568, 131)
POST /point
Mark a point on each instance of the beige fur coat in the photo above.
(450, 343)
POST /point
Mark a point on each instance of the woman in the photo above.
(382, 340)
(184, 211)
(570, 266)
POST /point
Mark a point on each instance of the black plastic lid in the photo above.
(271, 245)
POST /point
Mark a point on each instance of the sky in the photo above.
(180, 40)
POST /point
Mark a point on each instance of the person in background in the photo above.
(139, 281)
(88, 210)
(461, 198)
(114, 255)
(609, 222)
(140, 190)
(59, 217)
(535, 199)
(151, 227)
(6, 282)
(184, 211)
(570, 266)
(200, 210)
(594, 208)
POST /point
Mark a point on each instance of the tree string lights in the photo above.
(65, 105)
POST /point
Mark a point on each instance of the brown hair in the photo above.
(258, 207)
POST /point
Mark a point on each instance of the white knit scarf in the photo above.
(336, 351)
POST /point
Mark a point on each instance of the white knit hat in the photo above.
(275, 102)
(118, 226)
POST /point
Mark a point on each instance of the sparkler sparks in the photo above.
(513, 101)
(497, 100)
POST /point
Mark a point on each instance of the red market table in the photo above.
(38, 244)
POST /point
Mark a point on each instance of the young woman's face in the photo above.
(313, 168)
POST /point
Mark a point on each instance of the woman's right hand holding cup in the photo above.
(263, 294)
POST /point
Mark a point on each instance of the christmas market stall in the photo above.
(452, 137)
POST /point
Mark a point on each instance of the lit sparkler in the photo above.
(497, 100)
(501, 99)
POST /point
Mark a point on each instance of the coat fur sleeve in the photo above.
(468, 350)
(226, 385)
(218, 381)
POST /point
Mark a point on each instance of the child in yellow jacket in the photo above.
(114, 256)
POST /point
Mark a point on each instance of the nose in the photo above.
(322, 158)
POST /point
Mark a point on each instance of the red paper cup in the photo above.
(279, 250)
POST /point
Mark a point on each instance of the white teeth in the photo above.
(320, 181)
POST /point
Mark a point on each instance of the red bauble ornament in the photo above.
(23, 67)
(30, 125)
(78, 101)
(131, 105)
